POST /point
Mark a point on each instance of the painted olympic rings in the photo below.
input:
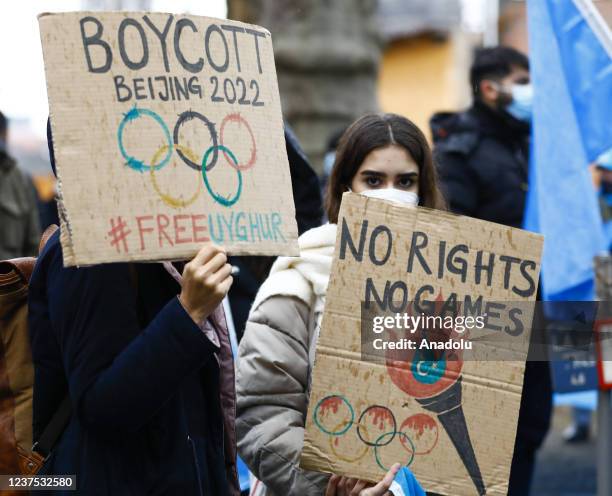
(386, 413)
(185, 117)
(166, 198)
(334, 399)
(392, 434)
(132, 115)
(336, 406)
(333, 442)
(236, 117)
(226, 202)
(191, 158)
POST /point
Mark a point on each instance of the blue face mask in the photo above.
(521, 106)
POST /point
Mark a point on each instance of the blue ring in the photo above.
(392, 433)
(226, 202)
(132, 162)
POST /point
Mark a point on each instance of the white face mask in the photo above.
(392, 194)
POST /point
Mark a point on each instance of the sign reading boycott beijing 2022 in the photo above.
(167, 134)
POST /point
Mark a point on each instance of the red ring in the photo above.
(238, 118)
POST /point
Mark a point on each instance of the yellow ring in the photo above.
(166, 198)
(341, 457)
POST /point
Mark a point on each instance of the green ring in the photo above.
(226, 202)
(389, 434)
(350, 422)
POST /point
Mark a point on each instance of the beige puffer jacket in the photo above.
(276, 356)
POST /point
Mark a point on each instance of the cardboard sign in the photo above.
(450, 418)
(167, 133)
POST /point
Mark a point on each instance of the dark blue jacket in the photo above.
(142, 378)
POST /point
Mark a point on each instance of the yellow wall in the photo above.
(420, 75)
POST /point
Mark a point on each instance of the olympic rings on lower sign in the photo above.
(130, 116)
(333, 440)
(187, 116)
(349, 422)
(387, 412)
(419, 423)
(393, 434)
(236, 117)
(226, 202)
(166, 198)
(333, 403)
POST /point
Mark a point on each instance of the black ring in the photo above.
(369, 443)
(187, 116)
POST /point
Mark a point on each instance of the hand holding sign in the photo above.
(206, 281)
(345, 486)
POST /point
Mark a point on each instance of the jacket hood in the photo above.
(306, 274)
(445, 124)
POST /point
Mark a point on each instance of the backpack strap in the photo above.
(42, 448)
(54, 429)
(50, 231)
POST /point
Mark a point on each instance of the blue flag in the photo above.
(405, 484)
(571, 71)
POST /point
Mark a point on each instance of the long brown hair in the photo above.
(374, 131)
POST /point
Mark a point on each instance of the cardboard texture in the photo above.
(452, 421)
(139, 102)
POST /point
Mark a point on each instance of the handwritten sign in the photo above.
(167, 133)
(447, 408)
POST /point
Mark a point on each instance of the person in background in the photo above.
(19, 224)
(578, 430)
(482, 153)
(482, 156)
(383, 156)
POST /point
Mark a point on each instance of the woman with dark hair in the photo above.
(383, 156)
(387, 137)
